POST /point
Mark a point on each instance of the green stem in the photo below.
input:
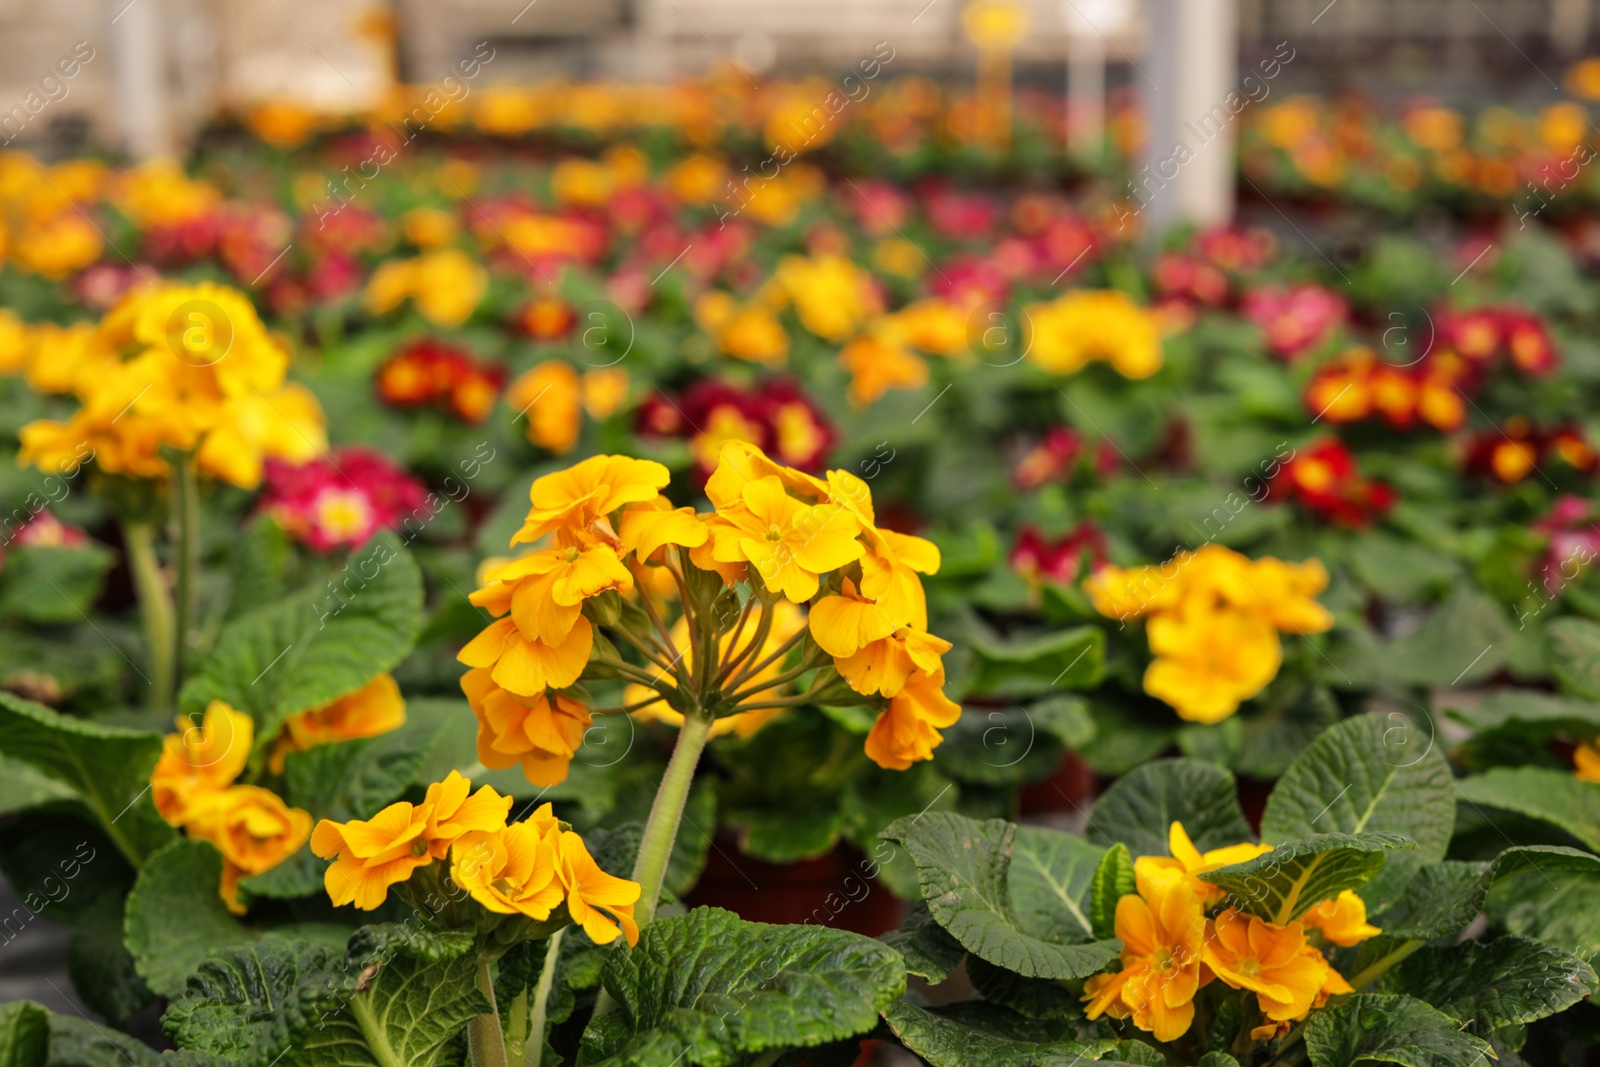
(541, 1000)
(776, 657)
(805, 665)
(155, 609)
(661, 830)
(1375, 970)
(484, 1039)
(186, 487)
(752, 648)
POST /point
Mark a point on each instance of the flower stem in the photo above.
(155, 609)
(541, 999)
(1376, 969)
(776, 657)
(484, 1039)
(187, 490)
(661, 830)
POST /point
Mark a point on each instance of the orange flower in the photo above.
(542, 733)
(254, 830)
(1248, 952)
(526, 666)
(583, 495)
(1586, 761)
(1188, 860)
(1342, 920)
(885, 665)
(788, 543)
(1162, 929)
(592, 894)
(877, 366)
(906, 730)
(548, 397)
(200, 762)
(511, 871)
(375, 708)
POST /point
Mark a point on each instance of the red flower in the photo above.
(341, 501)
(1482, 335)
(429, 371)
(778, 417)
(1294, 320)
(44, 530)
(1190, 279)
(1061, 560)
(1051, 460)
(1518, 448)
(1324, 479)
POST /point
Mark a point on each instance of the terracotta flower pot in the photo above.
(1071, 789)
(839, 890)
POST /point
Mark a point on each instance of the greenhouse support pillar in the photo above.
(1193, 101)
(141, 77)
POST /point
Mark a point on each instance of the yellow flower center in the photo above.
(1164, 961)
(419, 847)
(1249, 967)
(774, 533)
(572, 554)
(501, 885)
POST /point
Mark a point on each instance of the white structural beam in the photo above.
(1193, 101)
(139, 44)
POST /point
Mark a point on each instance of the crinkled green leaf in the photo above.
(106, 768)
(1283, 884)
(1113, 880)
(1464, 641)
(1549, 893)
(708, 988)
(1572, 651)
(1511, 980)
(966, 869)
(1035, 998)
(24, 786)
(977, 1033)
(24, 1034)
(1141, 806)
(927, 950)
(231, 1005)
(1442, 899)
(77, 1042)
(1556, 797)
(316, 645)
(1369, 773)
(1072, 659)
(1134, 1051)
(1370, 1028)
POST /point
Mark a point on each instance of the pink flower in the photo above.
(44, 530)
(1296, 319)
(341, 501)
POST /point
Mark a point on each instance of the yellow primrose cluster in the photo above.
(187, 367)
(195, 783)
(446, 285)
(1171, 948)
(1084, 325)
(527, 868)
(792, 538)
(43, 228)
(553, 398)
(1214, 619)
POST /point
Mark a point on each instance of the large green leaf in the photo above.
(389, 1001)
(24, 1034)
(1073, 659)
(316, 645)
(1295, 876)
(24, 786)
(1369, 773)
(1556, 797)
(1390, 1029)
(1140, 807)
(1511, 980)
(106, 768)
(1549, 893)
(49, 585)
(1572, 650)
(966, 868)
(927, 950)
(1530, 710)
(979, 1033)
(77, 1042)
(1465, 640)
(1442, 899)
(709, 988)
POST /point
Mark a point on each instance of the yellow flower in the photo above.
(1248, 952)
(892, 561)
(1343, 920)
(646, 529)
(253, 829)
(287, 424)
(905, 731)
(1163, 931)
(200, 761)
(527, 666)
(158, 193)
(1069, 332)
(605, 391)
(788, 543)
(429, 227)
(58, 246)
(548, 398)
(750, 333)
(582, 496)
(876, 366)
(544, 591)
(932, 325)
(542, 732)
(375, 708)
(511, 871)
(445, 283)
(1208, 661)
(1586, 761)
(593, 895)
(831, 294)
(370, 856)
(845, 624)
(885, 665)
(1190, 861)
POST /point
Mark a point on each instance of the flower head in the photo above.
(374, 709)
(1192, 863)
(541, 732)
(511, 871)
(200, 761)
(1342, 920)
(577, 498)
(600, 903)
(1163, 931)
(1248, 952)
(253, 829)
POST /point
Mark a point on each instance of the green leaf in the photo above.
(1442, 899)
(1035, 998)
(1572, 649)
(708, 988)
(24, 1034)
(965, 869)
(1113, 880)
(1549, 893)
(102, 969)
(1369, 773)
(316, 645)
(24, 786)
(1073, 659)
(175, 916)
(107, 769)
(1556, 797)
(1509, 981)
(1218, 1059)
(1389, 1029)
(52, 585)
(1139, 808)
(927, 950)
(76, 1042)
(1530, 710)
(230, 1006)
(1283, 884)
(1465, 640)
(978, 1033)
